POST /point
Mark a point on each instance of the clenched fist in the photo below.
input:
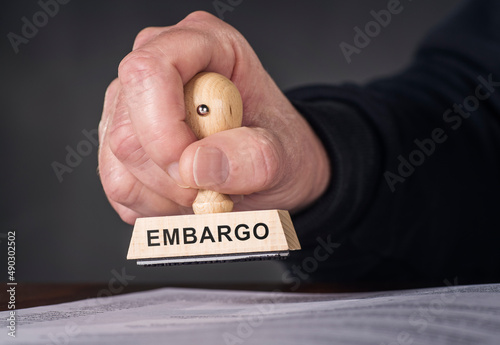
(150, 162)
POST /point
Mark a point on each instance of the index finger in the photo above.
(153, 76)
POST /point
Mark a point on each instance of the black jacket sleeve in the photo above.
(415, 159)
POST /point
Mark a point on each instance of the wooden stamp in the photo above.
(213, 233)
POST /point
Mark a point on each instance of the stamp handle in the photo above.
(213, 104)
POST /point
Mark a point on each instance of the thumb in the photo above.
(237, 161)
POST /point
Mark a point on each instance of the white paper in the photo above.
(449, 315)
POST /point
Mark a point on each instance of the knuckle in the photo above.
(118, 187)
(199, 16)
(112, 89)
(123, 142)
(144, 36)
(128, 216)
(101, 129)
(269, 161)
(264, 157)
(109, 96)
(137, 66)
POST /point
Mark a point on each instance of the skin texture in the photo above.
(149, 160)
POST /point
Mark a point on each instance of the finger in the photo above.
(123, 188)
(126, 214)
(130, 216)
(153, 76)
(238, 161)
(147, 35)
(126, 147)
(108, 108)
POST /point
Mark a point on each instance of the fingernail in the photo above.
(173, 172)
(210, 167)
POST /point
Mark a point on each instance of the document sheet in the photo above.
(445, 315)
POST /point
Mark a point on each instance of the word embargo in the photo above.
(29, 28)
(453, 116)
(189, 235)
(362, 37)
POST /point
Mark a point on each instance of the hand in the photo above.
(149, 160)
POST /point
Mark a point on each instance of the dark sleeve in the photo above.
(415, 159)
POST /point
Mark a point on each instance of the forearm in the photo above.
(414, 161)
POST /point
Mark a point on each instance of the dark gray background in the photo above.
(53, 89)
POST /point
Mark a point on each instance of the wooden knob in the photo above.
(213, 104)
